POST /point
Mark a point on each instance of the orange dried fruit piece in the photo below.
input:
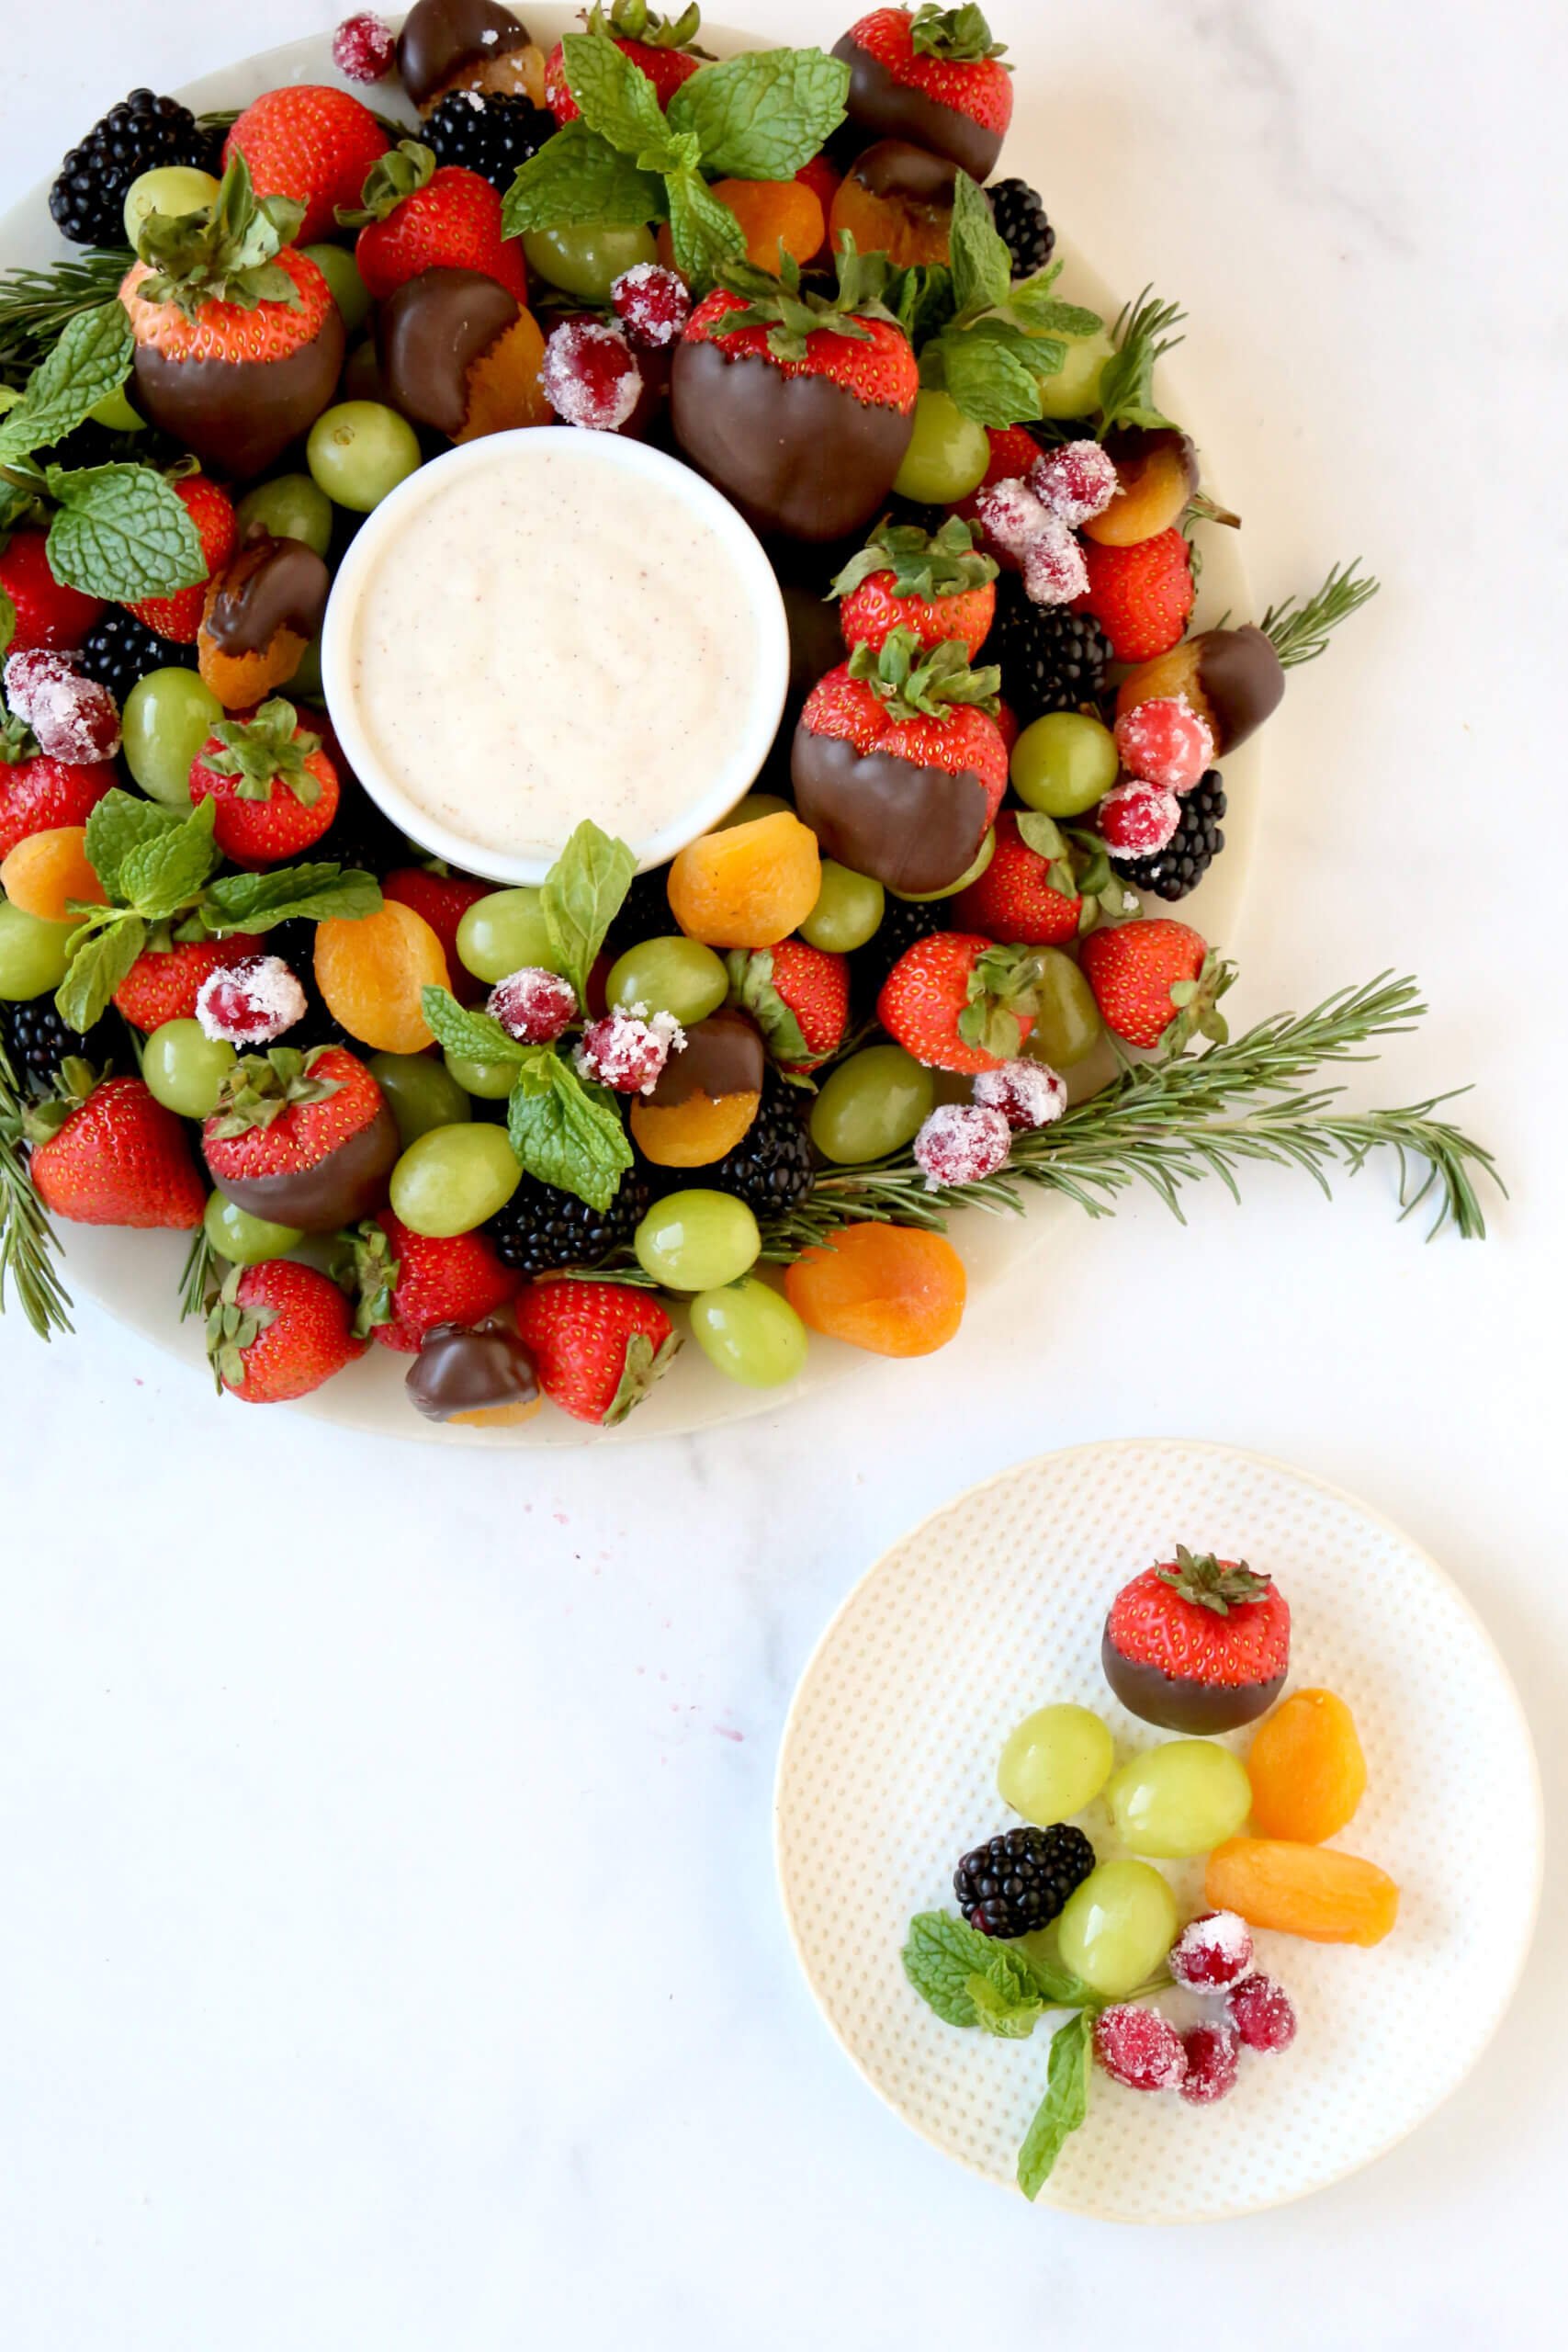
(371, 969)
(694, 1133)
(1310, 1891)
(891, 1289)
(503, 386)
(259, 613)
(46, 870)
(776, 216)
(1156, 468)
(749, 886)
(896, 200)
(1307, 1770)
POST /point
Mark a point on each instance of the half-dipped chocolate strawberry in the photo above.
(302, 1139)
(932, 76)
(1198, 1643)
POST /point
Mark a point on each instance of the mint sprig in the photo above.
(91, 360)
(577, 180)
(1063, 2110)
(580, 896)
(1142, 336)
(761, 116)
(322, 892)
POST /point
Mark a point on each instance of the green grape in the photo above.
(185, 1068)
(502, 932)
(491, 1082)
(671, 975)
(749, 1333)
(421, 1093)
(983, 857)
(1065, 762)
(115, 413)
(167, 718)
(450, 1179)
(32, 953)
(1067, 1026)
(849, 907)
(746, 810)
(349, 290)
(291, 506)
(587, 262)
(698, 1241)
(1074, 390)
(360, 450)
(874, 1102)
(362, 379)
(1054, 1763)
(173, 189)
(1178, 1799)
(1116, 1927)
(244, 1240)
(947, 456)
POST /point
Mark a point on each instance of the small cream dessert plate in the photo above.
(546, 626)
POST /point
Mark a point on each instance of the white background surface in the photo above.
(388, 1951)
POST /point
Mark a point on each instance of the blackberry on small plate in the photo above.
(1020, 1879)
(1018, 215)
(1051, 657)
(1181, 864)
(543, 1231)
(118, 650)
(143, 133)
(770, 1168)
(492, 134)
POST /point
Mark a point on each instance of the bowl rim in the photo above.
(768, 672)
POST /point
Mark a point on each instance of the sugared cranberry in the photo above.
(364, 49)
(532, 1005)
(1136, 819)
(73, 718)
(1054, 571)
(628, 1050)
(1076, 481)
(591, 375)
(1165, 741)
(1009, 515)
(250, 1002)
(1213, 2052)
(652, 303)
(1138, 2047)
(1260, 2010)
(1212, 1952)
(960, 1143)
(1027, 1094)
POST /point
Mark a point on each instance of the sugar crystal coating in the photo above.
(652, 303)
(250, 1002)
(1212, 1952)
(627, 1050)
(1136, 819)
(1166, 741)
(1076, 481)
(1260, 2010)
(364, 49)
(533, 1006)
(961, 1142)
(1029, 1094)
(1212, 2053)
(591, 375)
(1054, 571)
(1139, 2048)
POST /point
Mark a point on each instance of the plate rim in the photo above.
(1219, 1448)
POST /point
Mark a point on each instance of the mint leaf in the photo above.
(981, 263)
(986, 379)
(569, 1135)
(472, 1036)
(1035, 308)
(940, 1954)
(1062, 2110)
(577, 180)
(91, 360)
(120, 824)
(922, 300)
(705, 233)
(761, 117)
(615, 97)
(99, 962)
(161, 874)
(997, 2012)
(318, 893)
(580, 896)
(1056, 1985)
(120, 533)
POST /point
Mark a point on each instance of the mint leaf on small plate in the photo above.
(1062, 2110)
(91, 360)
(761, 116)
(120, 533)
(577, 180)
(940, 1954)
(569, 1135)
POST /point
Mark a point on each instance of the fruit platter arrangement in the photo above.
(531, 1137)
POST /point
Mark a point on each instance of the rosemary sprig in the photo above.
(27, 1238)
(1299, 632)
(1142, 336)
(200, 1276)
(1168, 1123)
(37, 305)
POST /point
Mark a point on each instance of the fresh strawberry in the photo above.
(304, 1139)
(957, 1001)
(598, 1346)
(309, 143)
(932, 75)
(408, 1283)
(238, 339)
(109, 1154)
(1197, 1645)
(936, 587)
(164, 982)
(443, 899)
(276, 788)
(48, 613)
(1017, 899)
(1013, 450)
(278, 1330)
(212, 511)
(415, 215)
(1140, 595)
(799, 997)
(1155, 983)
(37, 794)
(660, 47)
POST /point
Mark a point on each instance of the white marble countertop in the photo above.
(390, 1953)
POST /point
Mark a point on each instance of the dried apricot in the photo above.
(503, 386)
(891, 1289)
(897, 200)
(776, 215)
(1311, 1890)
(46, 870)
(749, 886)
(694, 1133)
(371, 969)
(1307, 1770)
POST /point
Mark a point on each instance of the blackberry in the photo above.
(142, 134)
(1181, 864)
(1051, 659)
(37, 1041)
(118, 649)
(770, 1168)
(1020, 223)
(359, 835)
(541, 1230)
(644, 912)
(1021, 1879)
(296, 942)
(903, 922)
(491, 135)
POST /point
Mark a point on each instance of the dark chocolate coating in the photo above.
(346, 1185)
(913, 829)
(724, 1055)
(797, 454)
(1240, 678)
(429, 331)
(1176, 1702)
(238, 415)
(270, 584)
(441, 38)
(884, 108)
(475, 1370)
(895, 168)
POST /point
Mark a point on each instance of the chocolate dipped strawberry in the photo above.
(1197, 1645)
(931, 76)
(302, 1139)
(798, 404)
(899, 764)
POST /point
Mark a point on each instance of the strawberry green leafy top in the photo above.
(226, 251)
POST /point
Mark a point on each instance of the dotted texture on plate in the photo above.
(995, 1607)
